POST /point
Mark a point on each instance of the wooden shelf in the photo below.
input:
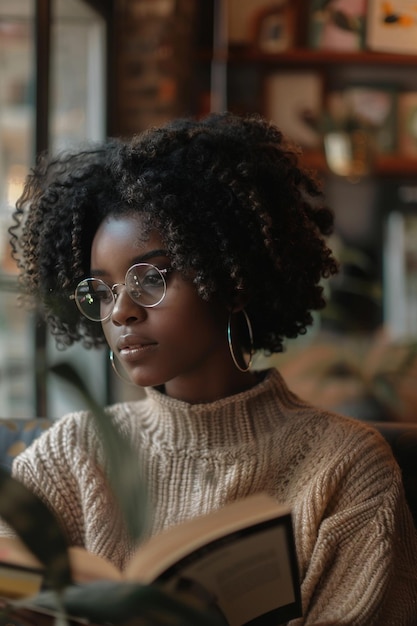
(307, 57)
(314, 160)
(331, 64)
(385, 165)
(396, 165)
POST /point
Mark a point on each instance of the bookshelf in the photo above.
(231, 71)
(234, 74)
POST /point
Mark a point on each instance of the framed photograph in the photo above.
(293, 101)
(274, 29)
(392, 26)
(337, 24)
(264, 23)
(240, 16)
(407, 123)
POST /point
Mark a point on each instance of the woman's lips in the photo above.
(135, 351)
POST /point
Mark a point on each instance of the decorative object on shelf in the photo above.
(293, 101)
(359, 123)
(371, 107)
(274, 27)
(407, 123)
(392, 26)
(349, 149)
(350, 153)
(244, 22)
(337, 24)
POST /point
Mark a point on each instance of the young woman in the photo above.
(188, 249)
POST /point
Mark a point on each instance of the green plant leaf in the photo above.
(37, 528)
(122, 463)
(132, 604)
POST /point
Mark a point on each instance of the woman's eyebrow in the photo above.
(139, 259)
(150, 255)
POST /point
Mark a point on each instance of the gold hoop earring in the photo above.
(116, 371)
(229, 340)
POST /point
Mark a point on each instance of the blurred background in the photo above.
(338, 77)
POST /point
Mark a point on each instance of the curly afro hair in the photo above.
(228, 195)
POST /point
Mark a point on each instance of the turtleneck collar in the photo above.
(231, 421)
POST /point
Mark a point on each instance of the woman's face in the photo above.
(181, 342)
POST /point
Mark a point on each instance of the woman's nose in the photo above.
(125, 310)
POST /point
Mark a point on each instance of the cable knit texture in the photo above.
(356, 542)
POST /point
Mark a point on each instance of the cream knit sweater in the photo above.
(355, 539)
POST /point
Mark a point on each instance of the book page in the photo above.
(248, 574)
(17, 581)
(161, 551)
(86, 566)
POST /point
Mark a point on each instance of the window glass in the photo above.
(76, 112)
(17, 110)
(17, 123)
(77, 74)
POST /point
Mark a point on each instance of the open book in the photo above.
(241, 556)
(19, 581)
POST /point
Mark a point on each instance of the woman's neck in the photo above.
(211, 388)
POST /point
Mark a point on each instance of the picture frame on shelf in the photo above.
(266, 24)
(240, 16)
(407, 123)
(337, 25)
(274, 28)
(293, 101)
(392, 26)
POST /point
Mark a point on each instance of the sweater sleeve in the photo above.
(362, 570)
(52, 468)
(65, 468)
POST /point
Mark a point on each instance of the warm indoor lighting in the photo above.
(14, 183)
(350, 154)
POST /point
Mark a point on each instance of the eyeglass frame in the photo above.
(164, 272)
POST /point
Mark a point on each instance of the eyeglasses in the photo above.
(145, 284)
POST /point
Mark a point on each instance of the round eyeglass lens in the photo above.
(94, 299)
(146, 284)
